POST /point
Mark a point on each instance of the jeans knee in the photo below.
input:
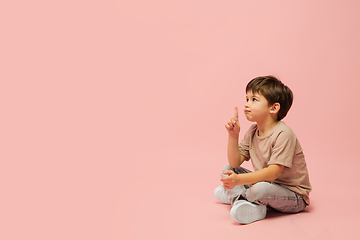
(227, 167)
(258, 191)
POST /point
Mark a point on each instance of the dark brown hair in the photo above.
(274, 91)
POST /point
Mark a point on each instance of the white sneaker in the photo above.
(221, 195)
(245, 212)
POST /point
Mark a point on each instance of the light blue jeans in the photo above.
(269, 194)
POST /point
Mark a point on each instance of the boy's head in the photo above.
(274, 91)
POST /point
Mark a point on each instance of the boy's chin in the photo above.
(250, 119)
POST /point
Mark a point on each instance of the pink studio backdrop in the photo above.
(113, 114)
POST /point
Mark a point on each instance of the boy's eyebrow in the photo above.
(251, 96)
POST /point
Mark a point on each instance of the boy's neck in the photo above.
(266, 127)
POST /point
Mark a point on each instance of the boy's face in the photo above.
(257, 108)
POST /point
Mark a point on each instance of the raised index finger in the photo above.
(236, 115)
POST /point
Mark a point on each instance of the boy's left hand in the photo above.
(231, 181)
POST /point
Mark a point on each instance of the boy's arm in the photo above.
(234, 157)
(267, 174)
(233, 127)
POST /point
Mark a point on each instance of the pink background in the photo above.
(113, 112)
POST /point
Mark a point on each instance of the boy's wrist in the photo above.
(237, 180)
(234, 137)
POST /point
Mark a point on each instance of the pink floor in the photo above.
(113, 113)
(176, 202)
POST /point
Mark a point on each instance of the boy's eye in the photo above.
(254, 99)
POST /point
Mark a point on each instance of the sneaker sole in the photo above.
(245, 212)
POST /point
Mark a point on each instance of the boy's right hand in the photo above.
(233, 126)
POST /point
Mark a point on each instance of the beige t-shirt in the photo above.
(282, 147)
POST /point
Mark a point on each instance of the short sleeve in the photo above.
(244, 145)
(283, 149)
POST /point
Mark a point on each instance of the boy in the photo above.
(280, 179)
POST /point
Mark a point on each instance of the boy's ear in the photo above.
(275, 108)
